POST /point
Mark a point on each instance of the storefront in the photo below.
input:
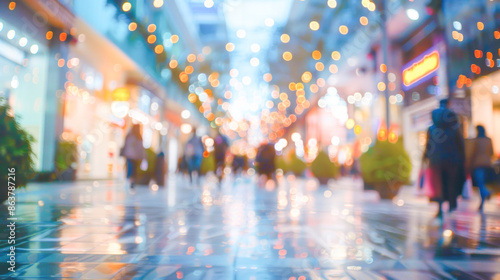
(424, 83)
(99, 133)
(485, 107)
(99, 86)
(24, 66)
(147, 109)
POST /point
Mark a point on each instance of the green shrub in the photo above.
(296, 165)
(281, 163)
(15, 152)
(66, 156)
(208, 164)
(323, 167)
(385, 162)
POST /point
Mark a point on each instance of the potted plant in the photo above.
(296, 165)
(65, 160)
(385, 167)
(207, 164)
(323, 168)
(281, 163)
(15, 152)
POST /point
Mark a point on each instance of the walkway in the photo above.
(298, 230)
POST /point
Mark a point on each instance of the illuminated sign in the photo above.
(120, 94)
(420, 69)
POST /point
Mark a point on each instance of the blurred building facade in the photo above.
(73, 71)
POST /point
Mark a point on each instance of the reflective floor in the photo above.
(294, 230)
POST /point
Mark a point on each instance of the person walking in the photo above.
(266, 155)
(220, 148)
(445, 155)
(133, 151)
(194, 154)
(480, 162)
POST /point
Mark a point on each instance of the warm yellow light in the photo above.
(333, 68)
(314, 88)
(151, 39)
(292, 86)
(383, 68)
(332, 3)
(268, 77)
(126, 6)
(191, 58)
(371, 7)
(321, 82)
(316, 55)
(174, 39)
(287, 56)
(151, 28)
(427, 65)
(299, 86)
(343, 30)
(192, 98)
(306, 77)
(173, 63)
(363, 20)
(183, 77)
(335, 55)
(381, 86)
(229, 47)
(319, 66)
(189, 69)
(132, 26)
(285, 38)
(120, 94)
(158, 3)
(349, 124)
(158, 49)
(357, 129)
(480, 25)
(314, 25)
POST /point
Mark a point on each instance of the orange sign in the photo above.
(421, 68)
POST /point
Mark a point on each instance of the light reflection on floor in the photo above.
(295, 230)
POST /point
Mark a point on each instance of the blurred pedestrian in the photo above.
(266, 155)
(194, 154)
(239, 164)
(445, 155)
(220, 148)
(134, 152)
(160, 169)
(480, 162)
(355, 168)
(182, 165)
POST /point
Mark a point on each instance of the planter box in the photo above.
(386, 190)
(323, 181)
(67, 175)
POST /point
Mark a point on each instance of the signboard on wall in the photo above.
(421, 69)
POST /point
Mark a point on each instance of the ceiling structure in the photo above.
(282, 55)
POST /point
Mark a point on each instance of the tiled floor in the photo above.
(297, 230)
